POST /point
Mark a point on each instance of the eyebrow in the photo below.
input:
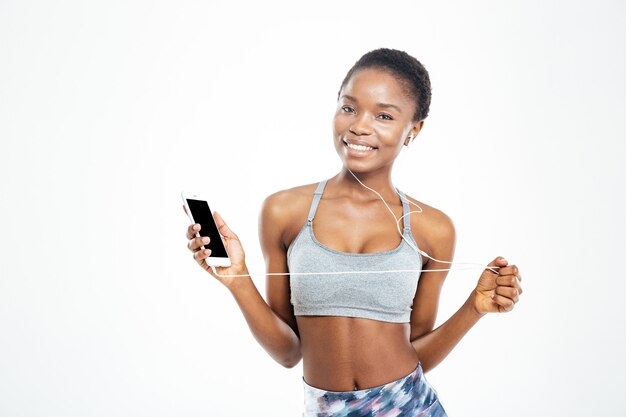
(384, 105)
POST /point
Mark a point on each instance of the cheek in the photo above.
(339, 125)
(391, 135)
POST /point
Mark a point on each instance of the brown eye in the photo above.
(386, 116)
(347, 109)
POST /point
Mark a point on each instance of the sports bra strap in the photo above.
(406, 220)
(316, 200)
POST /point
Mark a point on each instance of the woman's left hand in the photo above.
(498, 292)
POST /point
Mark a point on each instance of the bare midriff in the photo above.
(350, 353)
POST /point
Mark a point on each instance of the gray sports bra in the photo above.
(385, 296)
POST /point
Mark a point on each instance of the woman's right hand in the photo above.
(233, 249)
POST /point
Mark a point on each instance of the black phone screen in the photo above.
(201, 213)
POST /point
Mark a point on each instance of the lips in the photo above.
(359, 146)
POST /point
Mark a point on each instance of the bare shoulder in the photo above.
(286, 210)
(432, 225)
(286, 202)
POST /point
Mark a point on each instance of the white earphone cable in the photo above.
(491, 268)
(408, 214)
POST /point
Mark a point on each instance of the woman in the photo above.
(366, 339)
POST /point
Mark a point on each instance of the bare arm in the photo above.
(494, 293)
(273, 334)
(431, 345)
(435, 345)
(273, 323)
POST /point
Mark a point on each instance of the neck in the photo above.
(381, 182)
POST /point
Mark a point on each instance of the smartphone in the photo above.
(199, 212)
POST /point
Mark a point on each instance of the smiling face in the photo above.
(373, 121)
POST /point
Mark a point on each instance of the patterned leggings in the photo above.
(409, 396)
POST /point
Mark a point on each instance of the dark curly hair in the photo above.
(405, 68)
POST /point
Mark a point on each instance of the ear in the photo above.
(417, 127)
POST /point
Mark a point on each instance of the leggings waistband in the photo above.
(409, 396)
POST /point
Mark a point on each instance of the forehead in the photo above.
(377, 85)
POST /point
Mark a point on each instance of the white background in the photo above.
(108, 110)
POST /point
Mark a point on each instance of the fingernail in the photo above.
(205, 240)
(208, 251)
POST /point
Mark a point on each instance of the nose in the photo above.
(360, 125)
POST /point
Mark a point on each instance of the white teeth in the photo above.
(359, 147)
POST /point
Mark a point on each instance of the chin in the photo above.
(359, 166)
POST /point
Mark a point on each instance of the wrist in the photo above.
(472, 306)
(234, 283)
(239, 269)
